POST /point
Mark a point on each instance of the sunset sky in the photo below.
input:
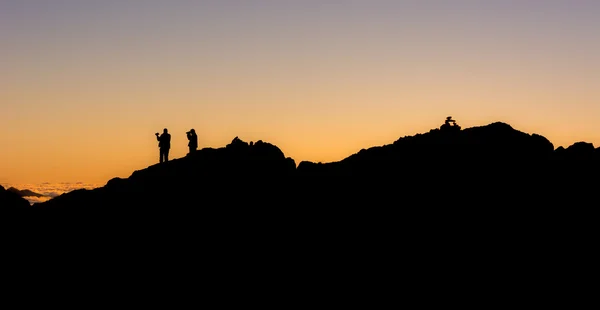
(84, 85)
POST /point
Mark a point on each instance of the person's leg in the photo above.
(166, 155)
(161, 155)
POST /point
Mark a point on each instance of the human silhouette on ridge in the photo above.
(193, 138)
(164, 144)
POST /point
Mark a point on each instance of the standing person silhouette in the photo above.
(193, 144)
(164, 144)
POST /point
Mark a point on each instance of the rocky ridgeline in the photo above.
(493, 165)
(465, 201)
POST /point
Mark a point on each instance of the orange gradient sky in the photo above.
(84, 86)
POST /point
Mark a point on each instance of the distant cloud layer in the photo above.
(50, 190)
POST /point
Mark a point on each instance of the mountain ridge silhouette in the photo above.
(480, 168)
(448, 199)
(425, 152)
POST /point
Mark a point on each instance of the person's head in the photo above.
(165, 130)
(192, 130)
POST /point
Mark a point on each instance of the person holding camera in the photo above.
(164, 144)
(193, 138)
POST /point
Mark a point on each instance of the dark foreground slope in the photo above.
(488, 173)
(481, 210)
(488, 201)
